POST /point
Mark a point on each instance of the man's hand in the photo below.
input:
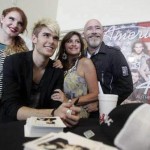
(69, 113)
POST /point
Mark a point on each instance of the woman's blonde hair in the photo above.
(18, 45)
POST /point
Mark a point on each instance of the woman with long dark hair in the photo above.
(80, 80)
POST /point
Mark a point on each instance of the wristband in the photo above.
(52, 112)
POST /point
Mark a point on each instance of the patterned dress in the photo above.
(75, 86)
(2, 57)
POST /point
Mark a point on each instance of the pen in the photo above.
(76, 102)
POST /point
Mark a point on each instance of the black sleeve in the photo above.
(11, 90)
(57, 85)
(122, 75)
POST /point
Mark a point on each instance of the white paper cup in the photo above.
(107, 102)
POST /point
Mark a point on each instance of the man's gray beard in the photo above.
(94, 44)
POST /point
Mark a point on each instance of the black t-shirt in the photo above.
(35, 95)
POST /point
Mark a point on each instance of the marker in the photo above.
(76, 102)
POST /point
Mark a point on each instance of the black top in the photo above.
(113, 72)
(17, 84)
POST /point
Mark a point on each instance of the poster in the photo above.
(134, 41)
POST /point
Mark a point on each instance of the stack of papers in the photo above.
(66, 141)
(40, 126)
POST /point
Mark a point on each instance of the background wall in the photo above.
(72, 14)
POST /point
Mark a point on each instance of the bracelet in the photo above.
(52, 112)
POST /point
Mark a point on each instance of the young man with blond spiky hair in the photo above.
(30, 79)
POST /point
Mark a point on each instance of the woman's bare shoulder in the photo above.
(85, 61)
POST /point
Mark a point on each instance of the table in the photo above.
(12, 134)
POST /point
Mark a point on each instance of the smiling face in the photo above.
(73, 46)
(12, 23)
(45, 42)
(93, 33)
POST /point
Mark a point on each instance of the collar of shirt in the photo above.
(96, 51)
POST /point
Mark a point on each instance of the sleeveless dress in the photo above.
(75, 86)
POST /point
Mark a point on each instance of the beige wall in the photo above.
(72, 14)
(34, 9)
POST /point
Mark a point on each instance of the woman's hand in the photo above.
(91, 106)
(57, 64)
(59, 96)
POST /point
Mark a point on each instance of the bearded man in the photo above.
(112, 68)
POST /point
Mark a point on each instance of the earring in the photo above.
(64, 56)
